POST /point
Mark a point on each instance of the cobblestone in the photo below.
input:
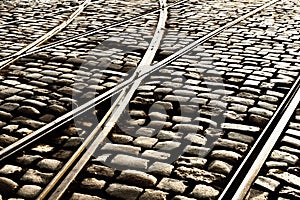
(261, 112)
(28, 111)
(179, 197)
(196, 138)
(92, 184)
(240, 127)
(37, 177)
(167, 145)
(50, 164)
(284, 176)
(29, 191)
(123, 191)
(225, 155)
(236, 146)
(5, 116)
(172, 185)
(220, 167)
(291, 141)
(290, 192)
(100, 170)
(169, 135)
(7, 185)
(161, 168)
(28, 159)
(198, 174)
(153, 195)
(283, 156)
(187, 128)
(10, 169)
(137, 178)
(130, 161)
(240, 137)
(121, 148)
(6, 140)
(145, 142)
(191, 161)
(268, 183)
(257, 195)
(78, 196)
(204, 192)
(152, 154)
(9, 106)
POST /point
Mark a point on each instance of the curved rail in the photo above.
(37, 49)
(123, 100)
(110, 119)
(120, 88)
(29, 139)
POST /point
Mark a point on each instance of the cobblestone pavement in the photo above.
(279, 178)
(39, 88)
(191, 124)
(187, 127)
(40, 19)
(186, 23)
(23, 22)
(107, 12)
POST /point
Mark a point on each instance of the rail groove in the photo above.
(109, 120)
(246, 173)
(237, 187)
(20, 144)
(17, 146)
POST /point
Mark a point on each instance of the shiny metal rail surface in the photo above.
(251, 165)
(110, 118)
(99, 99)
(104, 128)
(122, 101)
(36, 48)
(76, 112)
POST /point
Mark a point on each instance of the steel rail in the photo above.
(36, 135)
(252, 163)
(78, 36)
(41, 40)
(246, 173)
(29, 139)
(120, 107)
(109, 120)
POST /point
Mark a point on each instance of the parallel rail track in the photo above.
(111, 117)
(125, 90)
(108, 94)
